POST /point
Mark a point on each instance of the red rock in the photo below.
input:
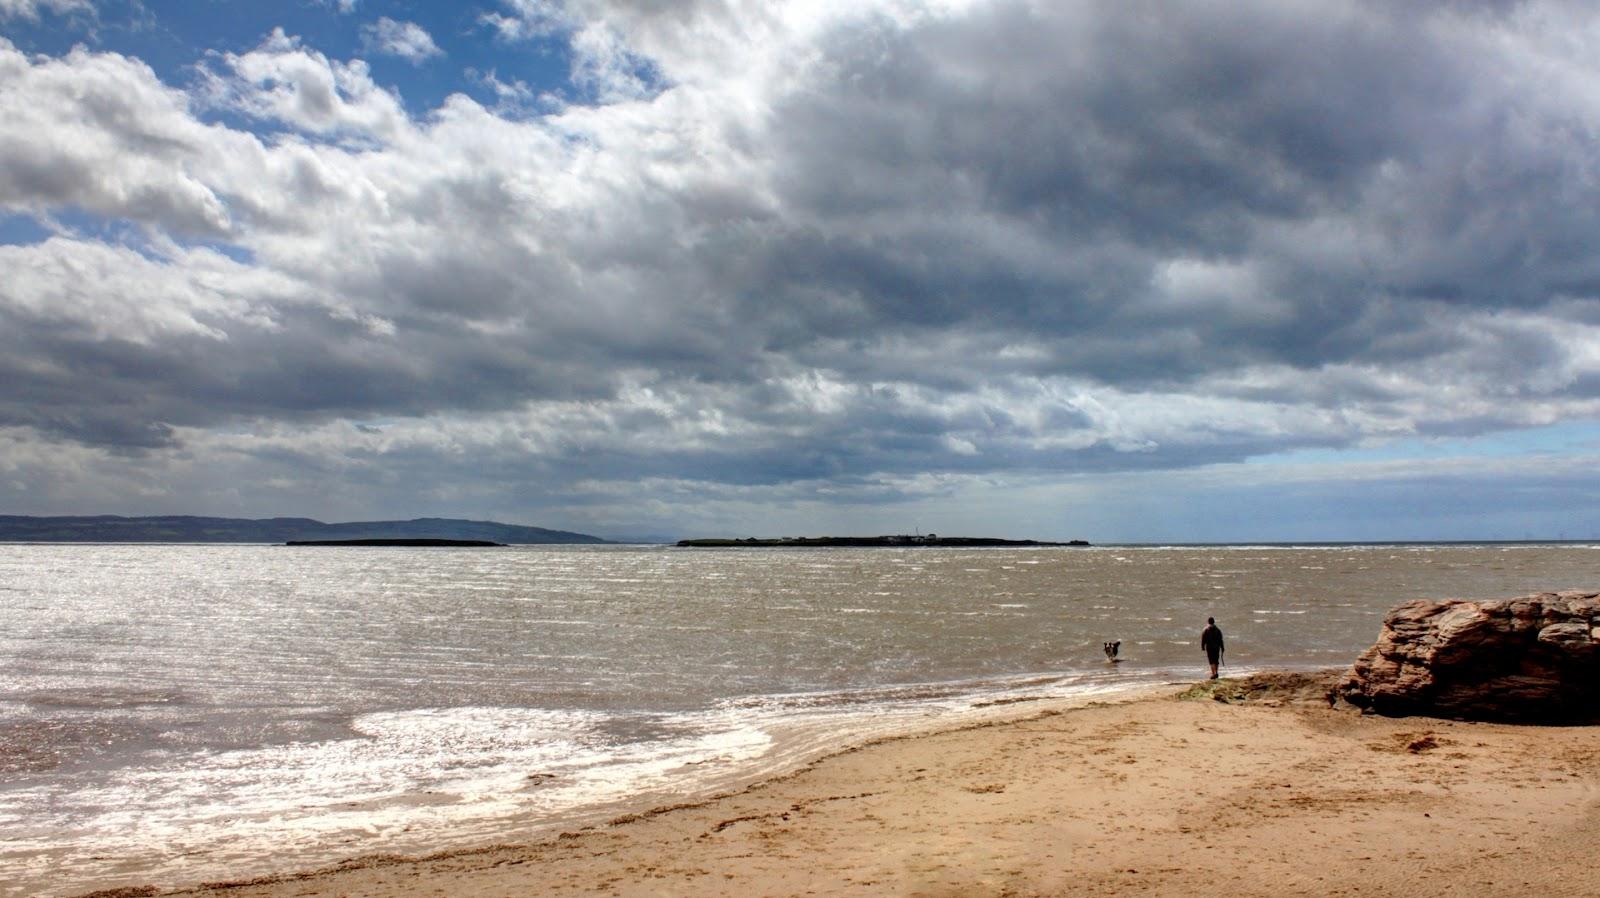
(1530, 659)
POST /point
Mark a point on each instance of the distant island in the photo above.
(448, 543)
(190, 529)
(930, 540)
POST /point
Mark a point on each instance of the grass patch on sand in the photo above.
(1266, 688)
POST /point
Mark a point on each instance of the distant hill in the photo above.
(189, 529)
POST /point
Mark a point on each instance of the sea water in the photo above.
(178, 713)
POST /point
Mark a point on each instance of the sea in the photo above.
(176, 714)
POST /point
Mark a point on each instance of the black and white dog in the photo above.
(1111, 649)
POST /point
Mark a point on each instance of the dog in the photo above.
(1111, 649)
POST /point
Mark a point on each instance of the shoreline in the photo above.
(797, 737)
(1271, 793)
(796, 750)
(538, 799)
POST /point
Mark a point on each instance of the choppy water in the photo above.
(177, 713)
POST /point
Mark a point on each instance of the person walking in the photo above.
(1211, 641)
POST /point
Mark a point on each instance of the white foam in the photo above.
(406, 774)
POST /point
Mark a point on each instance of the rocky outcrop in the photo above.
(1534, 659)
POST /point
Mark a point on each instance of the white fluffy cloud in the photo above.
(30, 9)
(407, 40)
(284, 83)
(102, 293)
(99, 132)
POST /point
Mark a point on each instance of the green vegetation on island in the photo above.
(929, 540)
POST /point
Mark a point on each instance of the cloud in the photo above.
(814, 254)
(30, 9)
(283, 82)
(604, 64)
(515, 98)
(407, 40)
(525, 19)
(99, 132)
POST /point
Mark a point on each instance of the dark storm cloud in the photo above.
(1183, 131)
(308, 365)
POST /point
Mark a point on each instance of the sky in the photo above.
(1177, 271)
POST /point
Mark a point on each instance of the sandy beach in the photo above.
(1269, 792)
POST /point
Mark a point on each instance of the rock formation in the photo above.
(1534, 659)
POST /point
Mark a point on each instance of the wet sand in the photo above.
(1267, 794)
